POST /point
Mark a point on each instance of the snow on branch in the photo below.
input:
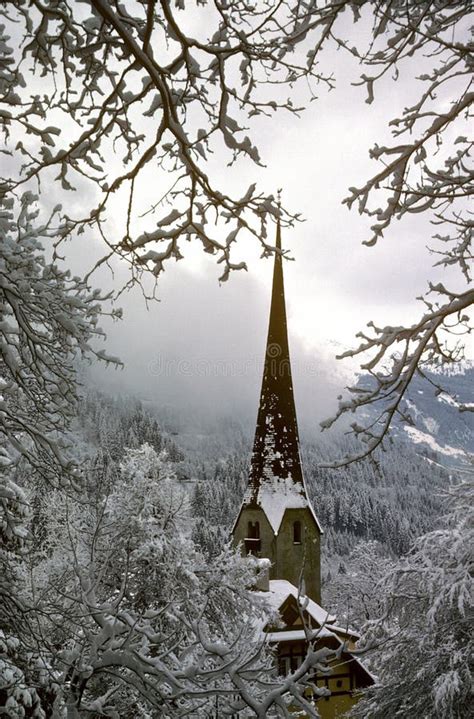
(430, 174)
(49, 319)
(145, 620)
(146, 94)
(151, 94)
(398, 353)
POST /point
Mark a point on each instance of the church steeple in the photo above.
(276, 444)
(277, 522)
(276, 519)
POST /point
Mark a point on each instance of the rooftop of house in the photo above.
(326, 630)
(280, 589)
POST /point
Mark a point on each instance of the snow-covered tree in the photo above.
(98, 96)
(48, 319)
(352, 592)
(101, 95)
(133, 618)
(424, 639)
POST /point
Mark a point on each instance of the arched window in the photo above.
(253, 530)
(297, 532)
(252, 540)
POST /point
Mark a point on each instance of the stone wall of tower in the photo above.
(267, 537)
(291, 558)
(287, 557)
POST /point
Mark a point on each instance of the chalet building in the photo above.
(277, 521)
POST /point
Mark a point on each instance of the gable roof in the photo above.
(274, 498)
(281, 589)
(280, 593)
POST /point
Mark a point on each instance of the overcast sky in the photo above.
(202, 345)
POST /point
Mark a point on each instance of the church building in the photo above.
(277, 521)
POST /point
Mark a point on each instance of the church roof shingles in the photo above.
(276, 481)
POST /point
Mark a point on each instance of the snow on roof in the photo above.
(345, 630)
(292, 635)
(277, 483)
(262, 563)
(280, 589)
(275, 495)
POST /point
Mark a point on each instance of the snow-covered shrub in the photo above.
(424, 638)
(141, 617)
(48, 318)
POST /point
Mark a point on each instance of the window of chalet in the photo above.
(297, 532)
(289, 663)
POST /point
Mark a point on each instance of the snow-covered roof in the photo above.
(345, 630)
(276, 495)
(292, 635)
(281, 589)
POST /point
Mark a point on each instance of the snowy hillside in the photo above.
(443, 423)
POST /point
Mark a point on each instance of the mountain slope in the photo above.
(443, 423)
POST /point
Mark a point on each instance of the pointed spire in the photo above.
(276, 446)
(276, 497)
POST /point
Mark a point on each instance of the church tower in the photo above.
(276, 519)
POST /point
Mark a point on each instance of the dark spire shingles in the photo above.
(276, 464)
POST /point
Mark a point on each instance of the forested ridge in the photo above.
(391, 499)
(152, 533)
